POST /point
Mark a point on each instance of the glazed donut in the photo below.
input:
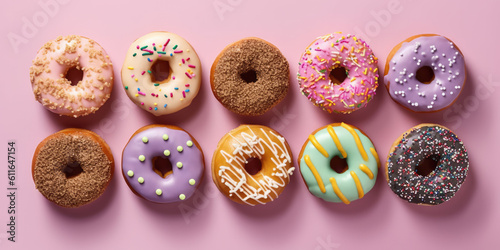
(162, 163)
(427, 73)
(72, 167)
(341, 141)
(252, 164)
(427, 165)
(55, 92)
(161, 73)
(338, 73)
(250, 76)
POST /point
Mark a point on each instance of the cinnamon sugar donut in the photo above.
(250, 76)
(72, 167)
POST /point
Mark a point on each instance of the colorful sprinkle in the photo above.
(179, 164)
(179, 148)
(158, 192)
(140, 180)
(165, 137)
(189, 143)
(145, 139)
(192, 182)
(166, 152)
(182, 197)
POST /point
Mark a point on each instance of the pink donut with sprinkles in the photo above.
(161, 73)
(338, 73)
(50, 83)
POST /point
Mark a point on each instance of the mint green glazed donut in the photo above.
(349, 143)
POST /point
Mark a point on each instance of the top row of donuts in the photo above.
(162, 74)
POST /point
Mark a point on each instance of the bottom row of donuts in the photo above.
(251, 165)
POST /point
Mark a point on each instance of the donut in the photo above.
(250, 76)
(339, 163)
(48, 76)
(161, 73)
(252, 165)
(162, 163)
(338, 73)
(72, 167)
(427, 165)
(427, 73)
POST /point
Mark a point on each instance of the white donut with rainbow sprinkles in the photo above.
(161, 73)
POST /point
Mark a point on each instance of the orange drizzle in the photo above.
(358, 185)
(357, 140)
(318, 146)
(338, 192)
(307, 159)
(332, 133)
(366, 170)
(374, 153)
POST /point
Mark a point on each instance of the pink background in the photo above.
(297, 220)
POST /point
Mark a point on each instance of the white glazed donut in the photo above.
(55, 92)
(181, 85)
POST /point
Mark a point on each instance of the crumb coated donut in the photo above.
(427, 165)
(250, 76)
(161, 73)
(425, 73)
(163, 163)
(338, 73)
(72, 167)
(252, 165)
(55, 92)
(339, 183)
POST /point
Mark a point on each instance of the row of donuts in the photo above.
(252, 164)
(162, 74)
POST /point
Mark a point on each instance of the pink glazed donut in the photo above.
(338, 73)
(55, 92)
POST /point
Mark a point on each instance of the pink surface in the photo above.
(297, 220)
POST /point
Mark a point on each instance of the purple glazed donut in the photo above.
(425, 73)
(162, 163)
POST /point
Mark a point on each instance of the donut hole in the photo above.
(337, 75)
(249, 76)
(253, 166)
(425, 75)
(162, 166)
(338, 164)
(160, 72)
(74, 75)
(72, 169)
(427, 165)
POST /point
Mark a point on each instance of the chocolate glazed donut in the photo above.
(250, 76)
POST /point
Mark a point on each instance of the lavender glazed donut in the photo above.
(162, 163)
(425, 73)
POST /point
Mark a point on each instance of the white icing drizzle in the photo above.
(235, 178)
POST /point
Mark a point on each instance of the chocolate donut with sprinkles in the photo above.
(427, 165)
(425, 73)
(338, 73)
(162, 163)
(161, 73)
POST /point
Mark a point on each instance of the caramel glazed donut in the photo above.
(250, 76)
(55, 92)
(427, 143)
(242, 145)
(72, 167)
